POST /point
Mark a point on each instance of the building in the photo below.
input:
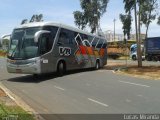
(109, 35)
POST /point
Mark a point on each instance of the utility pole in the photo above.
(114, 29)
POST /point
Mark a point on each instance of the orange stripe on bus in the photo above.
(78, 52)
(101, 52)
(83, 49)
(96, 53)
(90, 50)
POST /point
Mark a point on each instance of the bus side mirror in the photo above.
(38, 34)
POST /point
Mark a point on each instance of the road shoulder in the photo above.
(8, 98)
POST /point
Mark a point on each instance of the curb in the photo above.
(119, 69)
(20, 102)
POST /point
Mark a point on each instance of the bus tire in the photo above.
(97, 66)
(61, 68)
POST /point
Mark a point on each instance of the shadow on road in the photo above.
(43, 77)
(32, 78)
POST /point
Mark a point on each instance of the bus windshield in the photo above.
(22, 45)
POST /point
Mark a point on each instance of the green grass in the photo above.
(14, 113)
(124, 58)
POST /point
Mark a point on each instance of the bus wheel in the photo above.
(61, 68)
(97, 65)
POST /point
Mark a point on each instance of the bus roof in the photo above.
(37, 24)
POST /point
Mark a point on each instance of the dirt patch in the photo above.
(144, 69)
(113, 65)
(6, 100)
(2, 93)
(147, 72)
(3, 54)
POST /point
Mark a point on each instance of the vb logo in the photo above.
(64, 51)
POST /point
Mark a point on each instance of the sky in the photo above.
(12, 12)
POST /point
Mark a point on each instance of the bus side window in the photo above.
(78, 39)
(67, 37)
(90, 38)
(53, 31)
(104, 45)
(99, 45)
(45, 45)
(87, 44)
(94, 42)
(71, 37)
(84, 37)
(63, 37)
(46, 40)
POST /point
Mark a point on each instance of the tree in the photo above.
(79, 20)
(158, 20)
(34, 18)
(126, 21)
(92, 11)
(24, 21)
(128, 5)
(148, 12)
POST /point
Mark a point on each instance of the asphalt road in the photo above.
(85, 92)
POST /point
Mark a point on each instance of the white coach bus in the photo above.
(45, 47)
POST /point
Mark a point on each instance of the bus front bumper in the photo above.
(31, 68)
